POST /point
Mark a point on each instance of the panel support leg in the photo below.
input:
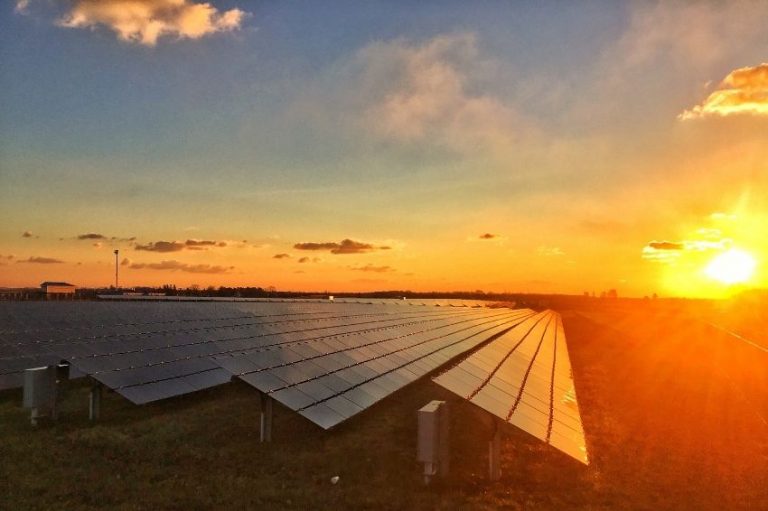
(94, 402)
(266, 418)
(494, 453)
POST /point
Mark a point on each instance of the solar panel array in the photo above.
(524, 378)
(325, 360)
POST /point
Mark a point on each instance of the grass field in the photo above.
(673, 413)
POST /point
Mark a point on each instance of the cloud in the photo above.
(743, 92)
(41, 260)
(22, 6)
(430, 95)
(98, 244)
(550, 251)
(316, 246)
(179, 266)
(666, 245)
(346, 246)
(671, 251)
(27, 234)
(374, 269)
(487, 236)
(162, 246)
(146, 21)
(125, 262)
(281, 256)
(91, 236)
(203, 244)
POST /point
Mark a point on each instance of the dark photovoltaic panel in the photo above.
(524, 378)
(326, 360)
(331, 378)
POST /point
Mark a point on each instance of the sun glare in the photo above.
(732, 267)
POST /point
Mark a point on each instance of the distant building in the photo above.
(58, 289)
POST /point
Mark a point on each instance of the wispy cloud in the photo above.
(419, 94)
(41, 260)
(346, 246)
(27, 234)
(179, 266)
(146, 21)
(743, 92)
(429, 95)
(546, 251)
(281, 256)
(162, 246)
(373, 269)
(488, 236)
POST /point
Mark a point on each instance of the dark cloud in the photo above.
(41, 260)
(200, 243)
(179, 266)
(304, 260)
(91, 236)
(666, 245)
(26, 234)
(487, 236)
(374, 269)
(346, 246)
(281, 256)
(316, 246)
(162, 246)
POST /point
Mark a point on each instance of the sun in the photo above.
(732, 267)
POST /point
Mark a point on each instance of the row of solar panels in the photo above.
(525, 379)
(437, 302)
(134, 346)
(325, 361)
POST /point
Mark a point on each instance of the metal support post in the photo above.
(494, 453)
(266, 417)
(94, 402)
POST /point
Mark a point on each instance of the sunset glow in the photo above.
(221, 143)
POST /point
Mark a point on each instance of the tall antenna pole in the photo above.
(116, 267)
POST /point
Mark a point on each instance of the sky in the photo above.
(433, 146)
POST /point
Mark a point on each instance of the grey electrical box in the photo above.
(40, 388)
(432, 448)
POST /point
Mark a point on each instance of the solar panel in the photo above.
(326, 361)
(339, 380)
(524, 378)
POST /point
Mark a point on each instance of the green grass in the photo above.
(652, 447)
